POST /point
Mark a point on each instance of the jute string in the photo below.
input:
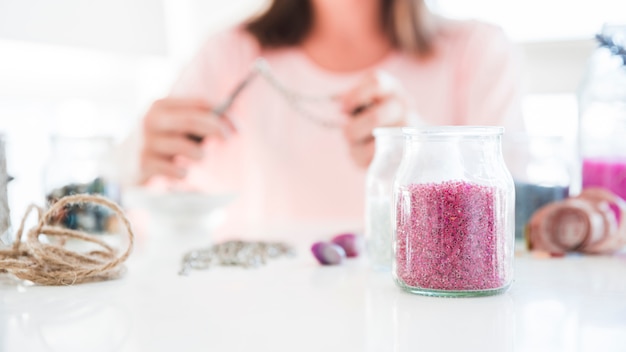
(53, 264)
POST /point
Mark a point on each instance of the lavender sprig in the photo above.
(614, 48)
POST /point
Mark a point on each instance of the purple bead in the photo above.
(328, 253)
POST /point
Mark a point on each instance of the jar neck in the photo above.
(487, 145)
(474, 159)
(472, 153)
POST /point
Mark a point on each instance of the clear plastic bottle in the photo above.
(454, 199)
(602, 110)
(379, 193)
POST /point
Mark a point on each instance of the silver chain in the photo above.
(234, 253)
(295, 99)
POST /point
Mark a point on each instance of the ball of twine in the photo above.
(52, 263)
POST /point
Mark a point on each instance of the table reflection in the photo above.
(88, 317)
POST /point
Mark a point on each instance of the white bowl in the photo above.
(179, 211)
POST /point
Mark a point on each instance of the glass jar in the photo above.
(80, 165)
(379, 194)
(5, 215)
(541, 171)
(454, 224)
(602, 114)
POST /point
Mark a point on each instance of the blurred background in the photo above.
(88, 68)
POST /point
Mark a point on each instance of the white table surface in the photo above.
(569, 304)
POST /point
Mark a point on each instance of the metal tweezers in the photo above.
(220, 109)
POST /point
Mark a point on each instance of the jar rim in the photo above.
(388, 131)
(453, 131)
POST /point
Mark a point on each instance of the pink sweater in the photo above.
(287, 169)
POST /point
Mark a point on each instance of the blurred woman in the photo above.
(387, 63)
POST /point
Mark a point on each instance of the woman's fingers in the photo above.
(389, 113)
(172, 128)
(152, 164)
(377, 101)
(170, 145)
(160, 152)
(359, 131)
(372, 89)
(189, 121)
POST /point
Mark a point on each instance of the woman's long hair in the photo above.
(407, 23)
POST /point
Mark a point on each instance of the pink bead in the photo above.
(349, 242)
(451, 236)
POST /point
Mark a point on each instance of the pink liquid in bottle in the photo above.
(607, 173)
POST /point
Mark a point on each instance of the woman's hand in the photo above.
(174, 128)
(378, 100)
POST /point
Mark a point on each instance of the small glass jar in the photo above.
(5, 214)
(454, 226)
(541, 171)
(602, 114)
(379, 194)
(80, 165)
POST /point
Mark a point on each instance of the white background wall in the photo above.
(134, 27)
(87, 67)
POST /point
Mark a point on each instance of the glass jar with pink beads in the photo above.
(454, 202)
